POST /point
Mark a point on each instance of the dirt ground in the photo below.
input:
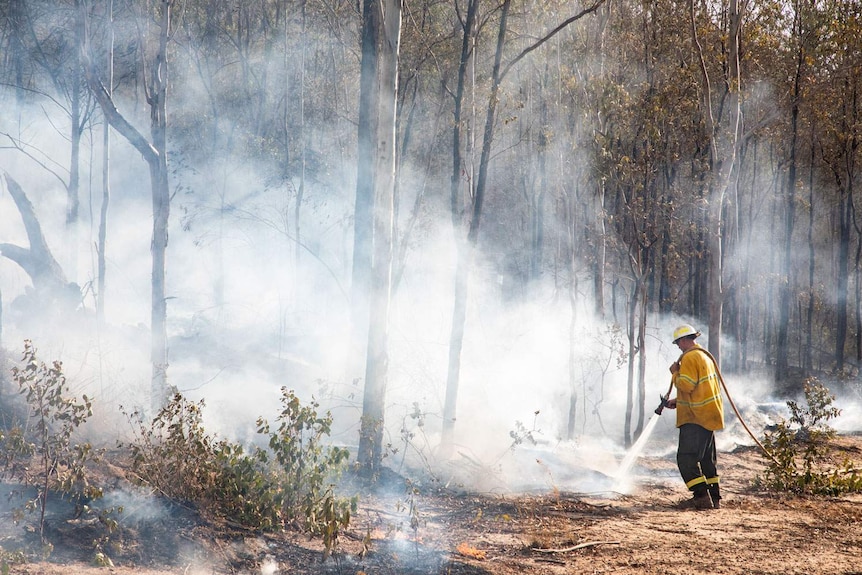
(755, 532)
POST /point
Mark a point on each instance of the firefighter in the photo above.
(699, 414)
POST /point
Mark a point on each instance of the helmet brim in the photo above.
(694, 335)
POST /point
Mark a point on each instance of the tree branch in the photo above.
(575, 547)
(37, 261)
(551, 34)
(113, 115)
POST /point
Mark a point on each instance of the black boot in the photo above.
(700, 500)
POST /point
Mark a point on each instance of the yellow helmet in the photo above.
(684, 331)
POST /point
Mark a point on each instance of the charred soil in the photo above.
(444, 531)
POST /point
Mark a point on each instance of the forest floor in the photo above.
(550, 533)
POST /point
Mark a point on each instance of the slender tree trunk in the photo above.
(537, 228)
(724, 135)
(370, 454)
(857, 297)
(73, 200)
(642, 362)
(842, 279)
(809, 320)
(573, 319)
(102, 245)
(367, 141)
(601, 253)
(17, 26)
(300, 192)
(466, 250)
(155, 154)
(781, 351)
(161, 211)
(456, 336)
(636, 331)
(465, 258)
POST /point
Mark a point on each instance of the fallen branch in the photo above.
(576, 547)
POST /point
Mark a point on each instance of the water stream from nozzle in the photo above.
(636, 449)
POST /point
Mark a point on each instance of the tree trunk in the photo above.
(857, 299)
(363, 221)
(466, 249)
(37, 261)
(377, 363)
(723, 138)
(573, 324)
(466, 255)
(808, 361)
(842, 281)
(537, 221)
(601, 252)
(785, 302)
(16, 29)
(630, 364)
(155, 154)
(161, 211)
(102, 242)
(642, 363)
(456, 336)
(300, 192)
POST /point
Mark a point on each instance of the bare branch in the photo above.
(551, 34)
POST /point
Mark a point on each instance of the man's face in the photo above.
(684, 343)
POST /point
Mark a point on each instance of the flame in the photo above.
(469, 551)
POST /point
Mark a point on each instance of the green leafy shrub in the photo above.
(40, 451)
(305, 465)
(286, 484)
(800, 448)
(173, 453)
(8, 559)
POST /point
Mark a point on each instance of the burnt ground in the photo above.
(445, 532)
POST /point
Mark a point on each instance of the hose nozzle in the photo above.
(661, 405)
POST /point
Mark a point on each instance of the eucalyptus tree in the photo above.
(363, 211)
(804, 36)
(715, 35)
(467, 230)
(154, 152)
(646, 101)
(45, 66)
(839, 141)
(385, 34)
(102, 239)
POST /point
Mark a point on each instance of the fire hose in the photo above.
(666, 397)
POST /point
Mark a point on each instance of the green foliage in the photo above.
(306, 465)
(10, 558)
(800, 448)
(173, 453)
(521, 434)
(40, 452)
(267, 489)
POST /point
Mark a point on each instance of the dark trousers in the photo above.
(696, 459)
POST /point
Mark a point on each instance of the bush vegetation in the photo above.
(37, 448)
(288, 483)
(801, 449)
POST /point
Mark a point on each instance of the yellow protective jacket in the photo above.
(698, 390)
